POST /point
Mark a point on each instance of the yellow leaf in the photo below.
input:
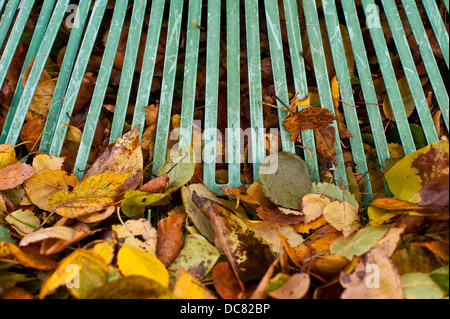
(45, 162)
(106, 250)
(335, 91)
(342, 216)
(10, 252)
(187, 287)
(134, 261)
(80, 272)
(43, 96)
(91, 195)
(313, 205)
(41, 186)
(7, 155)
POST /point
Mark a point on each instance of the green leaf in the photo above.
(197, 257)
(180, 172)
(285, 179)
(135, 202)
(359, 243)
(132, 287)
(335, 192)
(440, 276)
(4, 235)
(417, 285)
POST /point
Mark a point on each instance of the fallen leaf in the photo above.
(295, 288)
(372, 282)
(418, 285)
(313, 205)
(131, 287)
(80, 273)
(12, 253)
(422, 177)
(187, 287)
(408, 101)
(43, 185)
(276, 216)
(334, 191)
(359, 243)
(43, 95)
(56, 238)
(329, 266)
(45, 162)
(156, 185)
(135, 261)
(303, 228)
(7, 155)
(298, 254)
(170, 238)
(90, 195)
(17, 293)
(134, 202)
(14, 175)
(138, 233)
(270, 233)
(23, 221)
(225, 281)
(285, 179)
(342, 216)
(247, 252)
(319, 120)
(321, 240)
(197, 257)
(180, 168)
(124, 155)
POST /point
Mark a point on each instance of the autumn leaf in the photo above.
(14, 175)
(187, 287)
(285, 179)
(138, 233)
(342, 216)
(295, 288)
(170, 238)
(198, 257)
(422, 177)
(317, 119)
(131, 287)
(248, 253)
(43, 185)
(135, 261)
(90, 195)
(11, 253)
(122, 156)
(313, 205)
(45, 162)
(225, 281)
(23, 221)
(7, 155)
(80, 272)
(56, 238)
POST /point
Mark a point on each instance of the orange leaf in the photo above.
(225, 281)
(170, 239)
(14, 175)
(10, 252)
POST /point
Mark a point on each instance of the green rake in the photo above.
(242, 18)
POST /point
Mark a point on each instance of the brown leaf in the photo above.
(170, 238)
(17, 293)
(247, 252)
(156, 185)
(295, 288)
(320, 241)
(225, 281)
(122, 156)
(276, 216)
(12, 77)
(14, 175)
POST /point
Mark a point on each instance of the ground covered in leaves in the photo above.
(118, 232)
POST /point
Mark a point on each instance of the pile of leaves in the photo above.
(119, 232)
(99, 236)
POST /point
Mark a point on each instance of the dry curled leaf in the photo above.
(170, 238)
